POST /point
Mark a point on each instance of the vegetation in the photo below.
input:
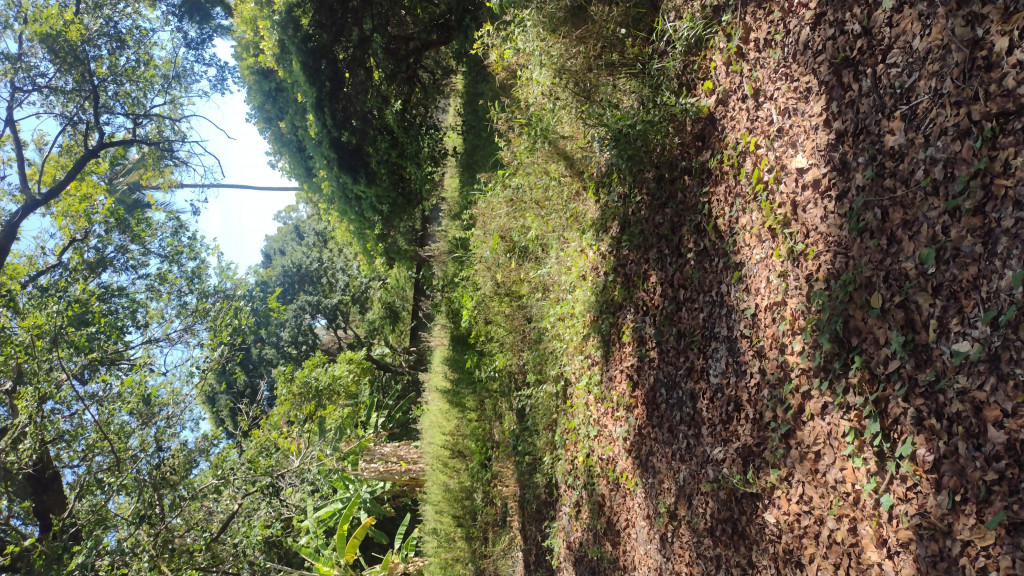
(524, 252)
(89, 85)
(313, 293)
(109, 299)
(571, 287)
(349, 99)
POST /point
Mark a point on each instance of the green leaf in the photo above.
(346, 518)
(926, 257)
(886, 501)
(1011, 312)
(382, 568)
(959, 356)
(871, 485)
(1018, 279)
(956, 201)
(400, 533)
(326, 510)
(409, 547)
(906, 448)
(994, 522)
(311, 556)
(352, 549)
(874, 427)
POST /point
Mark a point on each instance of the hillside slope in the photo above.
(739, 294)
(824, 358)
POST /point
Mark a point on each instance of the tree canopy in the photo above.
(313, 293)
(108, 298)
(86, 80)
(349, 96)
(94, 441)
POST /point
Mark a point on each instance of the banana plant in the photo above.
(399, 558)
(338, 556)
(333, 557)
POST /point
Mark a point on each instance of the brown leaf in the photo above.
(996, 437)
(983, 536)
(1000, 46)
(992, 413)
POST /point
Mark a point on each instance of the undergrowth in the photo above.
(551, 141)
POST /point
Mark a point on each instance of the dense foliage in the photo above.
(107, 297)
(106, 467)
(91, 357)
(349, 97)
(313, 293)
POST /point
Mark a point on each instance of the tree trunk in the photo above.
(422, 316)
(41, 485)
(400, 463)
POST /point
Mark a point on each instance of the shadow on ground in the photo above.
(824, 357)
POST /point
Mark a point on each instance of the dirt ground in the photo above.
(824, 351)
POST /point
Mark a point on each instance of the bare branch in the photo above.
(220, 167)
(150, 114)
(230, 186)
(19, 151)
(49, 151)
(231, 516)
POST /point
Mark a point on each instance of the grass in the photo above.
(451, 502)
(550, 141)
(514, 270)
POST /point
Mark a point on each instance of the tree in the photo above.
(104, 467)
(96, 439)
(314, 292)
(348, 94)
(305, 455)
(86, 80)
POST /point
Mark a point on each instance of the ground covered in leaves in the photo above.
(815, 359)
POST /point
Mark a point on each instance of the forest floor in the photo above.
(826, 367)
(804, 350)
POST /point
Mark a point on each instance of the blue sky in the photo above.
(238, 220)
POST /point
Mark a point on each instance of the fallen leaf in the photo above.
(996, 437)
(983, 536)
(1000, 46)
(992, 413)
(876, 300)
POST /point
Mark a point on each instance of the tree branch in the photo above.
(382, 365)
(49, 151)
(53, 265)
(19, 151)
(289, 570)
(231, 186)
(231, 517)
(9, 230)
